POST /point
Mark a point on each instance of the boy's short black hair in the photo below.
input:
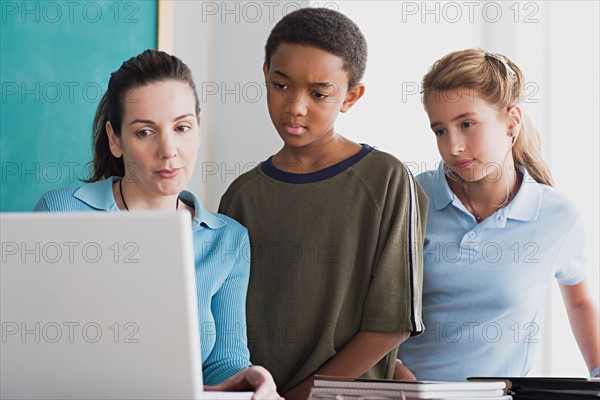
(327, 30)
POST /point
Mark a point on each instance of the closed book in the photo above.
(330, 385)
(318, 393)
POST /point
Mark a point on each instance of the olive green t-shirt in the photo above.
(333, 252)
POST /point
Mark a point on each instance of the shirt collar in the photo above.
(442, 195)
(525, 206)
(528, 200)
(99, 195)
(202, 216)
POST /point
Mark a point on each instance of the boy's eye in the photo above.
(319, 95)
(467, 124)
(439, 132)
(279, 86)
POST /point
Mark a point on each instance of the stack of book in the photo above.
(549, 388)
(339, 388)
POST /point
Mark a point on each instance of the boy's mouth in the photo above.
(294, 129)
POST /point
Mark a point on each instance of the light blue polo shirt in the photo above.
(485, 285)
(222, 258)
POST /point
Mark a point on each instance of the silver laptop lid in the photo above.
(98, 305)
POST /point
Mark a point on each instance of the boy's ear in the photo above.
(266, 71)
(114, 142)
(352, 96)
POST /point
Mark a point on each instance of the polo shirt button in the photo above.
(472, 235)
(499, 217)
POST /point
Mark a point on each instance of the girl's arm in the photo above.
(583, 318)
(361, 353)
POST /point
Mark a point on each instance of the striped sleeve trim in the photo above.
(413, 259)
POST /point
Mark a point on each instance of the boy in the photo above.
(337, 227)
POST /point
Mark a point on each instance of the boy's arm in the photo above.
(402, 373)
(361, 353)
(583, 318)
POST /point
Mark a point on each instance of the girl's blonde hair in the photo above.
(500, 83)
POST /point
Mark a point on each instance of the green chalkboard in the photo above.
(55, 61)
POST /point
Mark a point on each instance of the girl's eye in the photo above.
(467, 124)
(144, 133)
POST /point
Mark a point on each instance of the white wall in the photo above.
(223, 42)
(555, 43)
(572, 104)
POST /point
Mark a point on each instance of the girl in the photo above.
(497, 232)
(145, 142)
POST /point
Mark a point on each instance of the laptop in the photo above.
(100, 305)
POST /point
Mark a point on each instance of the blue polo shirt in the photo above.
(222, 258)
(485, 285)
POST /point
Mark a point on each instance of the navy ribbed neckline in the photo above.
(288, 177)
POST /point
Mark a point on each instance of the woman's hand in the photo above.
(253, 378)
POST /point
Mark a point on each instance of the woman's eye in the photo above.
(144, 133)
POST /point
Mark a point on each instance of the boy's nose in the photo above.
(297, 105)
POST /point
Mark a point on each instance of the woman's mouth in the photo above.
(168, 173)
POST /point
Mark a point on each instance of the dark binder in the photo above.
(524, 388)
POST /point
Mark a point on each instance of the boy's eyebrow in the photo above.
(463, 115)
(278, 72)
(150, 122)
(322, 84)
(319, 84)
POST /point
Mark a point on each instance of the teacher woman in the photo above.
(146, 136)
